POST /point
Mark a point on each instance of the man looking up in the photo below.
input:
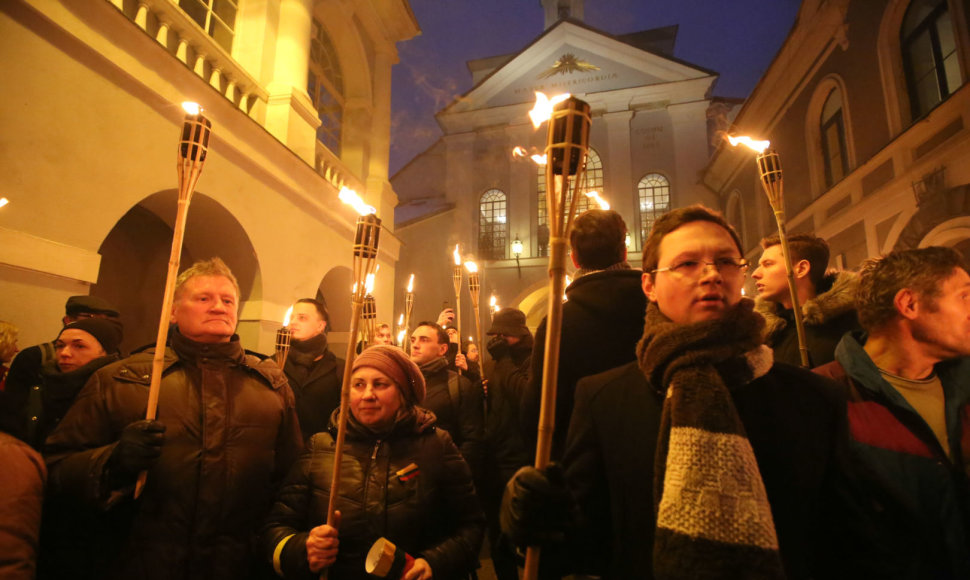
(225, 436)
(827, 300)
(314, 372)
(909, 403)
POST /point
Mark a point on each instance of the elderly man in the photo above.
(226, 434)
(701, 459)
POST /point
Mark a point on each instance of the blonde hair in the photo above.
(8, 335)
(210, 267)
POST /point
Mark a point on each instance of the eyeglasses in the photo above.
(696, 268)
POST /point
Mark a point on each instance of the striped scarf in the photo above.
(713, 516)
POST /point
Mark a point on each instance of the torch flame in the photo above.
(472, 267)
(519, 152)
(4, 201)
(400, 337)
(191, 108)
(457, 256)
(757, 146)
(400, 320)
(491, 301)
(369, 284)
(539, 159)
(286, 318)
(411, 283)
(595, 196)
(542, 110)
(350, 197)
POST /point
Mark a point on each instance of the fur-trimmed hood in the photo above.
(829, 304)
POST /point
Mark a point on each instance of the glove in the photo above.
(138, 449)
(537, 508)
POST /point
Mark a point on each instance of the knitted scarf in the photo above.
(303, 353)
(713, 516)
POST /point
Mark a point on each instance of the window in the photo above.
(594, 182)
(492, 225)
(929, 55)
(216, 17)
(325, 85)
(834, 153)
(653, 192)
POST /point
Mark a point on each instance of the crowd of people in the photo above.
(690, 441)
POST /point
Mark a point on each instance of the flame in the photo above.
(400, 320)
(400, 337)
(191, 108)
(369, 284)
(457, 256)
(472, 267)
(519, 152)
(350, 197)
(4, 201)
(286, 318)
(758, 146)
(411, 284)
(539, 159)
(595, 196)
(542, 110)
(470, 339)
(491, 301)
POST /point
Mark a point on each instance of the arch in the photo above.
(135, 252)
(931, 217)
(820, 112)
(949, 233)
(493, 225)
(334, 289)
(653, 200)
(534, 302)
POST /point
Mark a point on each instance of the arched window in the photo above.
(216, 17)
(832, 127)
(929, 54)
(653, 194)
(594, 182)
(493, 227)
(325, 85)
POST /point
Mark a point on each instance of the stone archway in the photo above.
(134, 259)
(932, 214)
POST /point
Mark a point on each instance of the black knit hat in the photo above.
(89, 305)
(510, 321)
(107, 331)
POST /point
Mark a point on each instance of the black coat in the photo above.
(318, 393)
(796, 424)
(431, 512)
(506, 446)
(602, 321)
(463, 419)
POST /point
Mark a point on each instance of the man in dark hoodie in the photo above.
(827, 299)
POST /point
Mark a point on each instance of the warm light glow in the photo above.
(539, 159)
(286, 318)
(516, 247)
(457, 256)
(542, 110)
(758, 146)
(350, 197)
(472, 267)
(411, 284)
(191, 108)
(400, 337)
(491, 302)
(470, 339)
(400, 320)
(595, 196)
(4, 201)
(519, 152)
(369, 284)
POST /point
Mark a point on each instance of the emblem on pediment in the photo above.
(567, 63)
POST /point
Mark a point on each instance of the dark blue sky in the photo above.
(737, 38)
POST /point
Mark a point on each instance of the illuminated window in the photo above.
(653, 200)
(929, 54)
(493, 225)
(834, 152)
(325, 85)
(216, 17)
(594, 182)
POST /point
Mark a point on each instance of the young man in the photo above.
(740, 456)
(827, 299)
(909, 409)
(225, 436)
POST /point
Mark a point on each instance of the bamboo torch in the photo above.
(192, 149)
(474, 288)
(408, 307)
(369, 314)
(365, 257)
(769, 169)
(283, 336)
(492, 307)
(456, 278)
(566, 147)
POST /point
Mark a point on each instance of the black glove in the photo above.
(497, 347)
(537, 508)
(137, 450)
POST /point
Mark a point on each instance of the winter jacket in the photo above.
(826, 318)
(316, 386)
(506, 446)
(409, 485)
(464, 419)
(925, 492)
(602, 320)
(22, 484)
(796, 425)
(231, 437)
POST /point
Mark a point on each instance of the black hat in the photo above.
(510, 321)
(89, 305)
(107, 331)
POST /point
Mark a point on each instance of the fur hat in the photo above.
(393, 362)
(106, 331)
(510, 321)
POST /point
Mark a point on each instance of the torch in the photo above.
(769, 169)
(474, 287)
(283, 336)
(370, 318)
(365, 257)
(408, 307)
(567, 144)
(192, 150)
(492, 307)
(456, 278)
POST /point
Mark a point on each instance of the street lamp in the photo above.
(517, 251)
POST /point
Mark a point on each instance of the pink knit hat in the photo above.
(393, 362)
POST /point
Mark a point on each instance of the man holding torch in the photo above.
(225, 435)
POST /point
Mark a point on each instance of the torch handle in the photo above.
(796, 307)
(344, 409)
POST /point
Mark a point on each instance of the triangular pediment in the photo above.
(573, 58)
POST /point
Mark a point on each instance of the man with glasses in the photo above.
(703, 458)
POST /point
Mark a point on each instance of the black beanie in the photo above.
(107, 331)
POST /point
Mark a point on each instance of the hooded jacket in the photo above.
(826, 317)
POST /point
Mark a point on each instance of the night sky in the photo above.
(737, 38)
